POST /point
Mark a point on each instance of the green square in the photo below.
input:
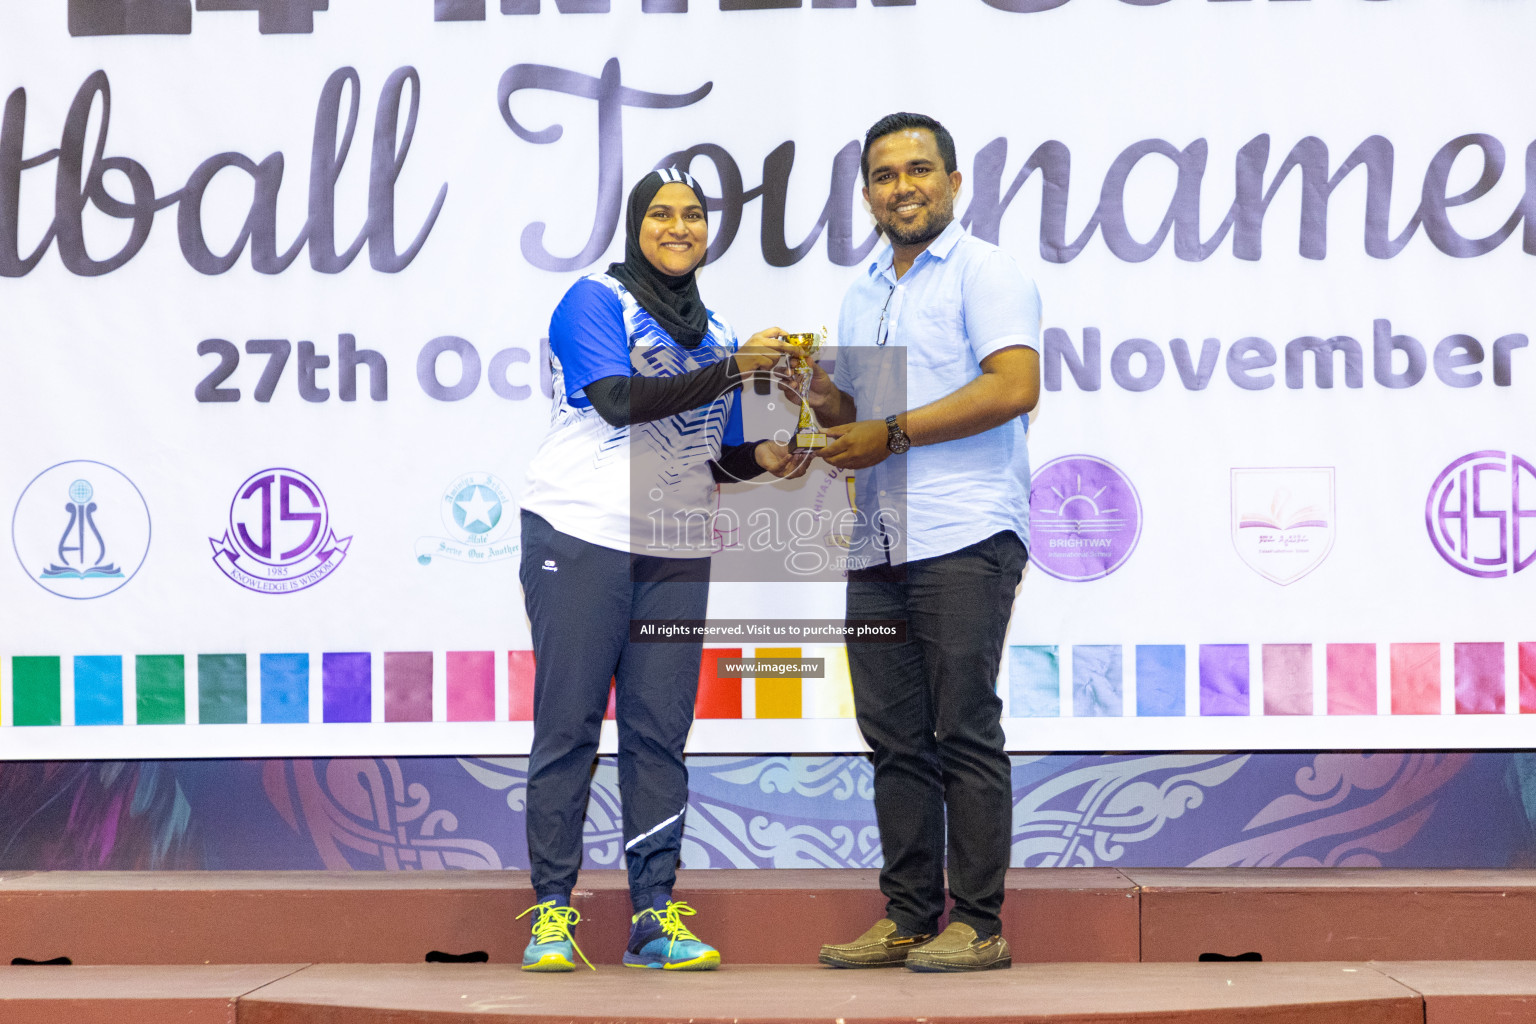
(35, 690)
(162, 688)
(221, 689)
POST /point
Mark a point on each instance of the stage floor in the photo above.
(1260, 993)
(1348, 946)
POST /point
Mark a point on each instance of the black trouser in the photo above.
(929, 709)
(581, 598)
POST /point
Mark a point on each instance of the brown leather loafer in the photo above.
(878, 947)
(959, 948)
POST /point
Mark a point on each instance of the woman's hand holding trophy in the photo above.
(803, 381)
(808, 436)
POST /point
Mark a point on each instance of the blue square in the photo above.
(98, 690)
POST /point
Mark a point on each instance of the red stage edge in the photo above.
(1090, 945)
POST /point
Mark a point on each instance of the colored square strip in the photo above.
(1039, 681)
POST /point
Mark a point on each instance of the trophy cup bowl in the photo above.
(808, 437)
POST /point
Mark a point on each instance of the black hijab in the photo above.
(673, 301)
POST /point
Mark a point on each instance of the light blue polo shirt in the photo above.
(960, 301)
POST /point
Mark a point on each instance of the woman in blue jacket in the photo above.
(645, 425)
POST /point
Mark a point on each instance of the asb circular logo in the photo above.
(81, 529)
(279, 538)
(478, 513)
(1481, 514)
(1084, 518)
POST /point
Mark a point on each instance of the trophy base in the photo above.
(809, 441)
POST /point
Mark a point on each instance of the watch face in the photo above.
(896, 440)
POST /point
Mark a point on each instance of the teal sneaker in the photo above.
(552, 948)
(659, 939)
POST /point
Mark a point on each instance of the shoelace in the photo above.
(671, 921)
(553, 924)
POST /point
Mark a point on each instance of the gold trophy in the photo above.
(808, 437)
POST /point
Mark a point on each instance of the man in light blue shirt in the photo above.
(938, 442)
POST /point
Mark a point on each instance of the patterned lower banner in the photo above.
(1156, 810)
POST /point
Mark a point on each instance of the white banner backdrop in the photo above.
(276, 275)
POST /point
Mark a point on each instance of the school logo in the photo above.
(1481, 514)
(81, 529)
(480, 518)
(1084, 518)
(830, 502)
(279, 538)
(1283, 520)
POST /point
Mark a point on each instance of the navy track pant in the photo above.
(581, 599)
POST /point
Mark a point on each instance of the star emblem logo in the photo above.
(477, 509)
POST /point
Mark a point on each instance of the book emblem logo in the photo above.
(1481, 514)
(1283, 520)
(81, 529)
(279, 538)
(1084, 518)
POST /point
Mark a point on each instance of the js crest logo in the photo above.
(279, 538)
(479, 514)
(81, 529)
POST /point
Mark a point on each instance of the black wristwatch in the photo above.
(896, 439)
